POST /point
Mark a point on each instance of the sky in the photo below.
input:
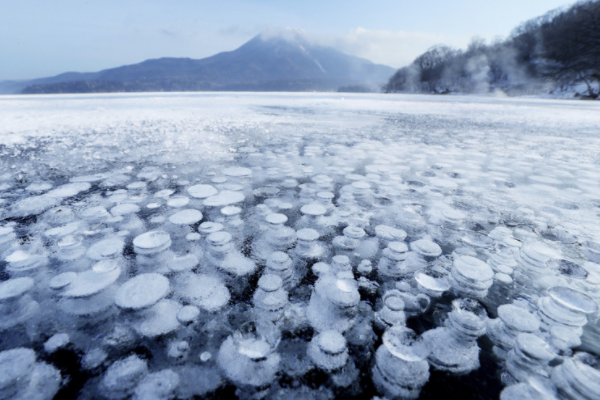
(40, 38)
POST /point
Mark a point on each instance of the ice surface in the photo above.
(426, 200)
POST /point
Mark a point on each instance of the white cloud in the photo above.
(393, 48)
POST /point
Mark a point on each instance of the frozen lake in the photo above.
(318, 245)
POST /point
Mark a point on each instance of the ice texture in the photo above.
(278, 246)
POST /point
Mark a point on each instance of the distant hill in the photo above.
(265, 63)
(558, 52)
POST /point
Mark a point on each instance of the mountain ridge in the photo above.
(265, 63)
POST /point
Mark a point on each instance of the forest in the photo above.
(556, 52)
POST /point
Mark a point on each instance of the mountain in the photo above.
(265, 63)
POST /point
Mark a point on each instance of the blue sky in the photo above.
(46, 37)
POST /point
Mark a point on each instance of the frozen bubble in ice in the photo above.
(225, 198)
(255, 349)
(204, 291)
(68, 190)
(151, 242)
(160, 319)
(90, 282)
(313, 209)
(188, 314)
(237, 171)
(164, 193)
(149, 173)
(325, 196)
(124, 209)
(578, 377)
(202, 191)
(193, 237)
(405, 344)
(361, 185)
(270, 282)
(534, 347)
(184, 263)
(276, 219)
(573, 300)
(186, 217)
(354, 232)
(63, 280)
(307, 234)
(473, 269)
(95, 214)
(477, 239)
(389, 233)
(57, 342)
(205, 356)
(503, 278)
(159, 385)
(61, 231)
(207, 228)
(142, 291)
(178, 201)
(591, 251)
(538, 252)
(517, 318)
(567, 268)
(16, 366)
(14, 288)
(152, 206)
(230, 211)
(432, 283)
(106, 249)
(33, 205)
(94, 358)
(426, 248)
(122, 377)
(38, 187)
(219, 238)
(328, 350)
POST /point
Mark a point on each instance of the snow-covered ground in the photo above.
(491, 201)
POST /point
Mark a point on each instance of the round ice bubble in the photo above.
(313, 209)
(405, 344)
(186, 217)
(276, 219)
(68, 190)
(151, 241)
(230, 211)
(14, 288)
(473, 269)
(518, 318)
(389, 233)
(124, 209)
(178, 201)
(90, 282)
(15, 366)
(426, 248)
(105, 249)
(202, 191)
(142, 291)
(573, 299)
(307, 234)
